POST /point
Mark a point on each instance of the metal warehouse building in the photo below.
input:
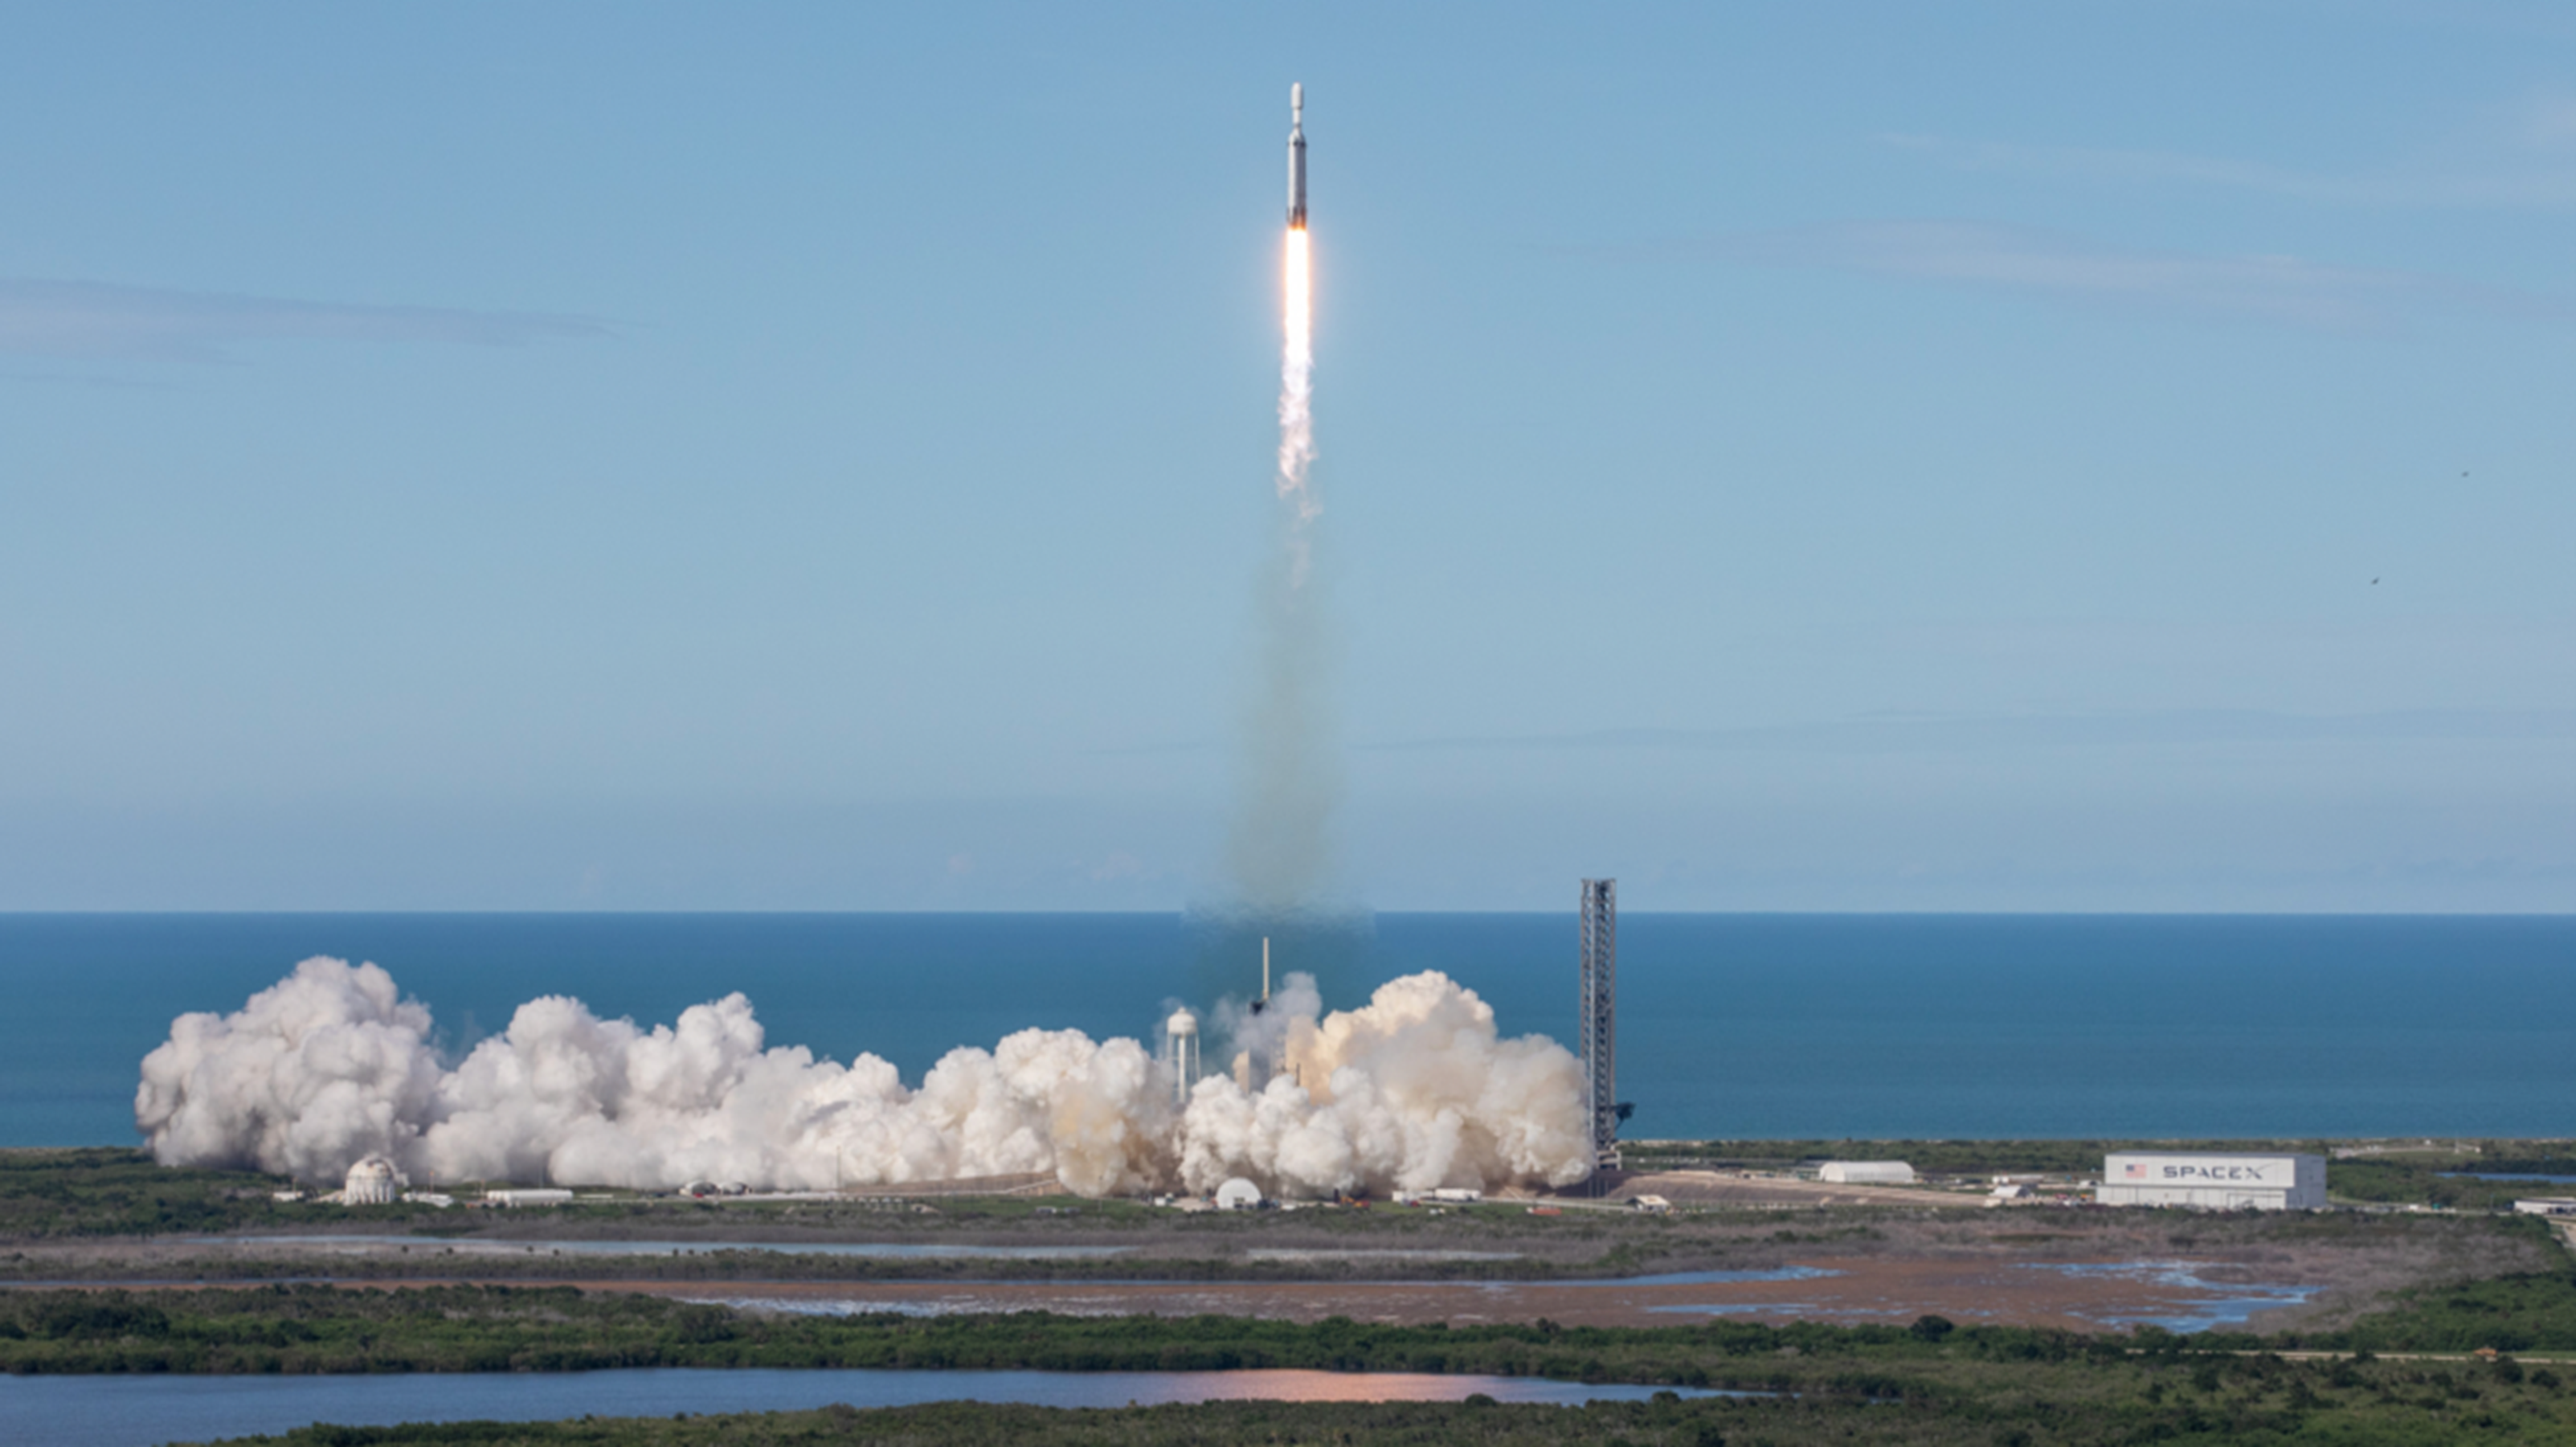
(2215, 1181)
(1871, 1173)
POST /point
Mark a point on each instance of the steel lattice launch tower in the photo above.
(1601, 1018)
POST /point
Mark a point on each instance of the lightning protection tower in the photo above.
(1601, 1018)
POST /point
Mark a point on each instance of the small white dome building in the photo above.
(1238, 1194)
(372, 1182)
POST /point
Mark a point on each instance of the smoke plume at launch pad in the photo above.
(1414, 1090)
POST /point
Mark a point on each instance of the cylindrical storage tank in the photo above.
(1183, 1028)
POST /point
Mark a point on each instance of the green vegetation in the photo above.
(1928, 1383)
(2433, 1179)
(309, 1329)
(2506, 1314)
(1931, 1382)
(313, 1329)
(96, 1191)
(2257, 1403)
(1939, 1401)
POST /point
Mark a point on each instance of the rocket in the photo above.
(1297, 157)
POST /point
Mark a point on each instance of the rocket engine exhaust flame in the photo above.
(1297, 354)
(1297, 395)
(331, 1065)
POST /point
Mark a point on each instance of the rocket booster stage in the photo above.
(1297, 157)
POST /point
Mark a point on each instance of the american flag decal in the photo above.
(2133, 1170)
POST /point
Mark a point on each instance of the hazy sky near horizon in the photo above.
(1872, 456)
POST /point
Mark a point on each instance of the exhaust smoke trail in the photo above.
(1281, 840)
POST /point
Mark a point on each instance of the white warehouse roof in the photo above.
(528, 1196)
(1872, 1173)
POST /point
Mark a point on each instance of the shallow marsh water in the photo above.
(149, 1411)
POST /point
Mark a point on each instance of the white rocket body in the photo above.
(1297, 157)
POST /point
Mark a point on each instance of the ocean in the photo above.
(1739, 1026)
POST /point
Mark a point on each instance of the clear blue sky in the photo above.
(1786, 456)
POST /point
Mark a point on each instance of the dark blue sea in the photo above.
(1855, 1026)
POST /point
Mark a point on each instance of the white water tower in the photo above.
(1183, 1028)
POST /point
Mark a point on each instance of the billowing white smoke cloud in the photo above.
(331, 1064)
(326, 1066)
(1412, 1091)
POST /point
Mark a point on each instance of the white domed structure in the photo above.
(1238, 1194)
(1182, 1023)
(372, 1182)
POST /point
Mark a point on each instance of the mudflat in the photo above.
(2081, 1269)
